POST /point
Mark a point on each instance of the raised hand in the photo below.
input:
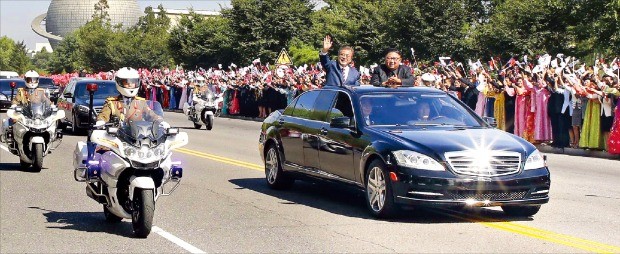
(327, 43)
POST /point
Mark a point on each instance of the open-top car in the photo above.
(403, 147)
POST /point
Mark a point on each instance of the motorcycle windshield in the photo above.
(207, 94)
(37, 110)
(141, 124)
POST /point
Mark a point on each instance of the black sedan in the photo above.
(403, 147)
(51, 89)
(74, 101)
(5, 91)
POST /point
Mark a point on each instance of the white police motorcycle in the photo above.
(206, 105)
(131, 166)
(33, 134)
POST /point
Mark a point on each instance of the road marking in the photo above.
(222, 159)
(541, 234)
(183, 244)
(512, 227)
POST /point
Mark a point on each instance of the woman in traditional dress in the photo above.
(591, 131)
(524, 117)
(613, 143)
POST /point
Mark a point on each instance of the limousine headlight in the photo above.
(534, 161)
(416, 160)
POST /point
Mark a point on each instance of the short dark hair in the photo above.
(393, 50)
(347, 48)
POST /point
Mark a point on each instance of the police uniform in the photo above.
(23, 96)
(114, 106)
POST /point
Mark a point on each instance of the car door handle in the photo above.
(323, 131)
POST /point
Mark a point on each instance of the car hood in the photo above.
(96, 102)
(441, 140)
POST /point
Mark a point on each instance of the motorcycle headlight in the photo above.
(130, 151)
(159, 151)
(534, 161)
(416, 160)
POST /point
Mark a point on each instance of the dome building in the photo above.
(66, 16)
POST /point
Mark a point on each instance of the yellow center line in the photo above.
(511, 227)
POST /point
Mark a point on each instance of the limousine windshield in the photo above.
(415, 109)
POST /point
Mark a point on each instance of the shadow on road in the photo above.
(85, 221)
(350, 202)
(16, 167)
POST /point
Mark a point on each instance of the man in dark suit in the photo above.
(338, 73)
(392, 73)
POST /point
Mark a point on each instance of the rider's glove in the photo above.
(99, 124)
(164, 125)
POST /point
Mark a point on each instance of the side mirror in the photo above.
(491, 121)
(342, 122)
(172, 131)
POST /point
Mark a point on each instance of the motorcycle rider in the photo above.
(200, 88)
(31, 93)
(127, 106)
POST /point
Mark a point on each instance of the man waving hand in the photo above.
(338, 72)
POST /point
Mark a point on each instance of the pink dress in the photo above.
(524, 117)
(542, 123)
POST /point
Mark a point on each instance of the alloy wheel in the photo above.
(376, 189)
(271, 165)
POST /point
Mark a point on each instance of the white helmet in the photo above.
(32, 79)
(200, 81)
(127, 81)
(427, 77)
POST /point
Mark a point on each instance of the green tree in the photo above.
(7, 46)
(203, 42)
(20, 62)
(42, 60)
(261, 28)
(67, 56)
(303, 53)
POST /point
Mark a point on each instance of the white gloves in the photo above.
(164, 125)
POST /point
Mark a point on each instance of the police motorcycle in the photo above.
(127, 165)
(31, 131)
(34, 133)
(205, 106)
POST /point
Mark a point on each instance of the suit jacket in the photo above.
(334, 75)
(381, 74)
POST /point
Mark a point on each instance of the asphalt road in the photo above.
(224, 205)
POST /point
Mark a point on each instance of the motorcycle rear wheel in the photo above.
(143, 212)
(37, 162)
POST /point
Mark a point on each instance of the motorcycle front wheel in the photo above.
(37, 158)
(143, 211)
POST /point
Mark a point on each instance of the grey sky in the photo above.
(16, 15)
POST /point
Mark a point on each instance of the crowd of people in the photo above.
(553, 100)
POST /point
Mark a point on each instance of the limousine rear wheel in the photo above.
(379, 191)
(276, 178)
(521, 211)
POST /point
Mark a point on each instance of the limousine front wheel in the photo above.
(276, 178)
(378, 191)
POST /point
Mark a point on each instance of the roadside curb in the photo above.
(255, 119)
(578, 152)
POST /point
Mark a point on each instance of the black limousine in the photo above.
(404, 147)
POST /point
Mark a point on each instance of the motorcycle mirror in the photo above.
(92, 87)
(13, 85)
(172, 131)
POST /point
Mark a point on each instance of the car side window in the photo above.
(322, 105)
(342, 107)
(304, 105)
(289, 110)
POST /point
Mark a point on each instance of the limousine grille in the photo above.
(492, 196)
(476, 163)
